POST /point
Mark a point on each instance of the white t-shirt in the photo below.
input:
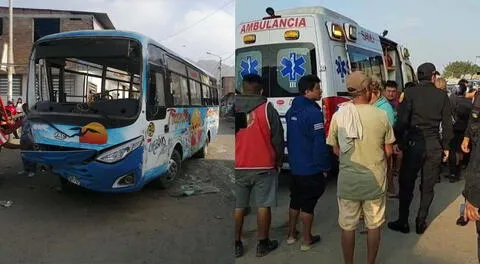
(19, 108)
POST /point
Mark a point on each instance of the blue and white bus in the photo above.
(112, 111)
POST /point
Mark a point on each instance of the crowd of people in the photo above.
(383, 139)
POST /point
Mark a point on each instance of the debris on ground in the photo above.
(194, 185)
(6, 203)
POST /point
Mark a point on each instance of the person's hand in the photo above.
(471, 212)
(396, 149)
(465, 143)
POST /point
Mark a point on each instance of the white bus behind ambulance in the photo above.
(285, 46)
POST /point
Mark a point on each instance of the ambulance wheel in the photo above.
(173, 171)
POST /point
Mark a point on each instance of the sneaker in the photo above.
(293, 240)
(31, 174)
(399, 227)
(307, 247)
(21, 172)
(238, 249)
(263, 248)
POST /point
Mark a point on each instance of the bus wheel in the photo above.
(203, 152)
(173, 171)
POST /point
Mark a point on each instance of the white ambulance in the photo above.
(285, 46)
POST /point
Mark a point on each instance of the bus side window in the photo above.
(156, 107)
(205, 95)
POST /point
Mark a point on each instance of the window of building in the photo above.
(44, 27)
(16, 85)
(1, 26)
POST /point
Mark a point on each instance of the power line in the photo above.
(200, 21)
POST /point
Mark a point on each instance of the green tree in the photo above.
(456, 69)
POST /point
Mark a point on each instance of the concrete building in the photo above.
(30, 25)
(228, 85)
(228, 94)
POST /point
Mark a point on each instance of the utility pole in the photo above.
(10, 52)
(219, 69)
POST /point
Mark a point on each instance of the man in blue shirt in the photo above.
(308, 158)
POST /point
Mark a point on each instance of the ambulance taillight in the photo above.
(291, 34)
(249, 39)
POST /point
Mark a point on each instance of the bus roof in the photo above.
(315, 10)
(127, 34)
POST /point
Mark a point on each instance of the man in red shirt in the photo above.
(259, 148)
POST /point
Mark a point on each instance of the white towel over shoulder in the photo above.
(349, 126)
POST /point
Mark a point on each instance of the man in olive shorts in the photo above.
(259, 147)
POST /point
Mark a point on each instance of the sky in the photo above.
(209, 24)
(437, 31)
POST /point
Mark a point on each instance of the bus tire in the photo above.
(203, 152)
(173, 171)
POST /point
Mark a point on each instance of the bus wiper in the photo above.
(84, 107)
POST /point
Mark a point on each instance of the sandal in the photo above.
(315, 240)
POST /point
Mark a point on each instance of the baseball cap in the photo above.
(355, 81)
(426, 71)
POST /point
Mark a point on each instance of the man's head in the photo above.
(252, 84)
(309, 86)
(376, 88)
(427, 72)
(359, 85)
(441, 83)
(391, 89)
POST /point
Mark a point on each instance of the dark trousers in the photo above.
(419, 156)
(478, 240)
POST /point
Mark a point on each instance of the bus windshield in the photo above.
(87, 77)
(280, 65)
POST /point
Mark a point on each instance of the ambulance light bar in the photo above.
(249, 39)
(335, 31)
(291, 34)
(351, 32)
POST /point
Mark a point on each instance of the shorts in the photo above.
(305, 192)
(263, 183)
(350, 212)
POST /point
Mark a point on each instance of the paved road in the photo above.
(46, 225)
(443, 242)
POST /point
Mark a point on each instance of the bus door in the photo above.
(157, 149)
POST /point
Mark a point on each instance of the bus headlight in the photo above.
(120, 152)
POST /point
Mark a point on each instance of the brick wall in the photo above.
(23, 32)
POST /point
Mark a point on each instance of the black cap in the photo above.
(426, 71)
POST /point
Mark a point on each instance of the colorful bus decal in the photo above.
(91, 136)
(188, 127)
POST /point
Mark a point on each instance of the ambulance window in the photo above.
(249, 62)
(292, 64)
(364, 60)
(410, 76)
